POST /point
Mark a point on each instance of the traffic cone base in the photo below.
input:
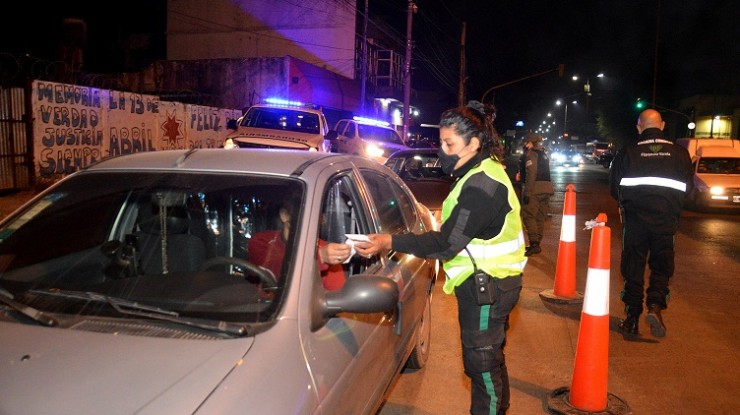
(558, 403)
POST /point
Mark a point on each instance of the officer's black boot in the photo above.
(629, 324)
(655, 320)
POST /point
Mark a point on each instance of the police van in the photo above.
(280, 124)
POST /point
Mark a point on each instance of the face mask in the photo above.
(447, 161)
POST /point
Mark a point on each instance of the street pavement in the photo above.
(694, 370)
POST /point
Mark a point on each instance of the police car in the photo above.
(280, 124)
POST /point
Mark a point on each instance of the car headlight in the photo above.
(229, 144)
(373, 150)
(558, 157)
(717, 190)
(576, 158)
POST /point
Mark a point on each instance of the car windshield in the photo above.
(712, 165)
(287, 119)
(191, 246)
(373, 132)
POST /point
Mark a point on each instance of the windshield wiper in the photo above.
(7, 298)
(134, 308)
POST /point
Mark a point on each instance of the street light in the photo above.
(565, 117)
(587, 85)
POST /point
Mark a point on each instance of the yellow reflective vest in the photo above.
(501, 256)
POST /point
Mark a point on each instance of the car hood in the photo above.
(724, 180)
(66, 371)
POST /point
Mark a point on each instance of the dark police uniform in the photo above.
(650, 179)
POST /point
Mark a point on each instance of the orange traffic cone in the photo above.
(588, 386)
(565, 268)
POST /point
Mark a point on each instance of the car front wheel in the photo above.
(423, 338)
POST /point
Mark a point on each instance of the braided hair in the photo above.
(475, 120)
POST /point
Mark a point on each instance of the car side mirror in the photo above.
(331, 135)
(231, 124)
(364, 294)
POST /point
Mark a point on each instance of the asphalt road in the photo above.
(693, 370)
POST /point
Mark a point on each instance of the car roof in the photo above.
(305, 107)
(368, 123)
(275, 161)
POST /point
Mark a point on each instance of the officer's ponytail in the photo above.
(475, 120)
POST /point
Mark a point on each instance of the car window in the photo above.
(152, 238)
(341, 215)
(350, 132)
(395, 164)
(719, 165)
(289, 119)
(395, 209)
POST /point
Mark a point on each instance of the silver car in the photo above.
(136, 286)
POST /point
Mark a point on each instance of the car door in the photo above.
(397, 213)
(353, 357)
(347, 139)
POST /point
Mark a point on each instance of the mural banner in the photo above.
(75, 126)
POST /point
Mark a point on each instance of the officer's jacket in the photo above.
(651, 179)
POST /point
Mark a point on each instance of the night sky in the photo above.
(506, 40)
(697, 48)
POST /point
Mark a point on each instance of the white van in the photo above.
(716, 165)
(366, 137)
(280, 124)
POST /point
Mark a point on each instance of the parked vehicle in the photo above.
(595, 150)
(280, 124)
(605, 159)
(132, 287)
(716, 165)
(421, 171)
(366, 137)
(567, 158)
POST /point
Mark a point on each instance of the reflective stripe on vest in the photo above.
(501, 256)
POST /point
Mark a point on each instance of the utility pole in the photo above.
(407, 73)
(461, 86)
(364, 60)
(655, 57)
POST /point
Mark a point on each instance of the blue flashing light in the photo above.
(283, 102)
(371, 121)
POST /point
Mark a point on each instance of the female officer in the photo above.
(481, 235)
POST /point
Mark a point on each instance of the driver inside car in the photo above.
(267, 249)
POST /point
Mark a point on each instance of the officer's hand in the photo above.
(525, 200)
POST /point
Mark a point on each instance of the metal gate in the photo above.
(15, 151)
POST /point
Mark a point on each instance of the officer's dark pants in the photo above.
(534, 215)
(483, 333)
(641, 246)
